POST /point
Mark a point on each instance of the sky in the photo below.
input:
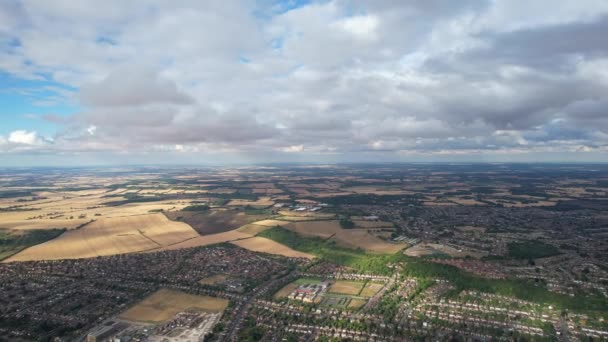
(230, 81)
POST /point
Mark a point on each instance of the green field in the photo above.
(420, 268)
(328, 250)
(302, 281)
(12, 242)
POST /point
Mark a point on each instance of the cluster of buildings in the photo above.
(65, 298)
(307, 293)
(190, 325)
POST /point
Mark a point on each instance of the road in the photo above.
(242, 311)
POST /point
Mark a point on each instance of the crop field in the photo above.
(71, 209)
(351, 238)
(207, 240)
(259, 226)
(260, 244)
(111, 236)
(261, 202)
(215, 220)
(270, 223)
(253, 229)
(164, 304)
(346, 287)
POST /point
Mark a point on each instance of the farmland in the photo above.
(351, 238)
(109, 236)
(214, 220)
(260, 244)
(207, 240)
(12, 242)
(164, 304)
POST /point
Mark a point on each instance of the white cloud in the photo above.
(361, 27)
(341, 76)
(24, 137)
(293, 149)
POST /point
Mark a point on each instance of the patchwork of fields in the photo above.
(110, 236)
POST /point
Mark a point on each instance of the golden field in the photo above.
(163, 304)
(261, 202)
(71, 210)
(264, 245)
(110, 236)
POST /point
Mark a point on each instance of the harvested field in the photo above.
(261, 202)
(370, 289)
(260, 244)
(253, 229)
(111, 236)
(215, 220)
(71, 212)
(163, 304)
(346, 287)
(214, 279)
(270, 223)
(208, 240)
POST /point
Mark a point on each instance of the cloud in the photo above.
(132, 86)
(349, 77)
(294, 148)
(23, 137)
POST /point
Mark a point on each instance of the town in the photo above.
(359, 253)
